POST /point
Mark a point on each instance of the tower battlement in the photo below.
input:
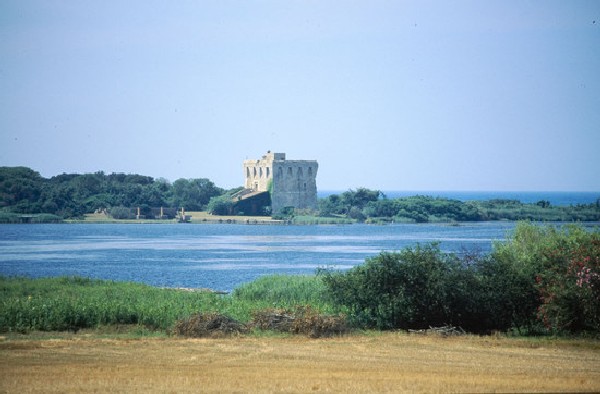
(292, 183)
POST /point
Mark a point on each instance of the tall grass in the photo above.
(282, 291)
(73, 303)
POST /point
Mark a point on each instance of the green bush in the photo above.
(406, 289)
(569, 281)
(220, 205)
(121, 213)
(541, 279)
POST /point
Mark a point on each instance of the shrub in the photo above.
(406, 289)
(540, 279)
(121, 213)
(569, 283)
(220, 205)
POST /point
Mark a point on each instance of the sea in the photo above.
(224, 256)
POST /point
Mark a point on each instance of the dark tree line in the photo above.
(25, 191)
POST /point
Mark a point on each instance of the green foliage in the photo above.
(285, 213)
(220, 205)
(24, 191)
(373, 207)
(72, 303)
(350, 203)
(283, 291)
(569, 280)
(194, 194)
(406, 289)
(121, 213)
(540, 280)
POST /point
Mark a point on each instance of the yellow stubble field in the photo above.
(390, 362)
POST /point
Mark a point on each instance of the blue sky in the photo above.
(390, 95)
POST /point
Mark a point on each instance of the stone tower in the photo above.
(292, 183)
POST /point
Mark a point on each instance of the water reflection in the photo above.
(217, 256)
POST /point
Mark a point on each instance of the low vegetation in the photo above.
(541, 280)
(371, 206)
(74, 303)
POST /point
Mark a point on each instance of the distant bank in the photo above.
(555, 198)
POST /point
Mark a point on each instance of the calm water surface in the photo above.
(216, 256)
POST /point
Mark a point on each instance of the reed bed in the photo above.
(74, 303)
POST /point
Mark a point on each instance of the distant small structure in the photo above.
(290, 183)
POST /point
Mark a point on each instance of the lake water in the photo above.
(219, 257)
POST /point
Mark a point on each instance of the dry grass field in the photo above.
(389, 362)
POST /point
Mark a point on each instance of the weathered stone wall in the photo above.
(294, 182)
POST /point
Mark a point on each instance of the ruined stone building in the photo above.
(291, 183)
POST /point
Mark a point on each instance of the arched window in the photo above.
(268, 172)
(247, 172)
(299, 173)
(280, 172)
(309, 171)
(255, 172)
(260, 171)
(289, 171)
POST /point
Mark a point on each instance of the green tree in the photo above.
(194, 194)
(220, 205)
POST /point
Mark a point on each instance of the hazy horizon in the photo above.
(406, 95)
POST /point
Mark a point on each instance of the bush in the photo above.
(569, 283)
(406, 289)
(541, 279)
(121, 213)
(220, 205)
